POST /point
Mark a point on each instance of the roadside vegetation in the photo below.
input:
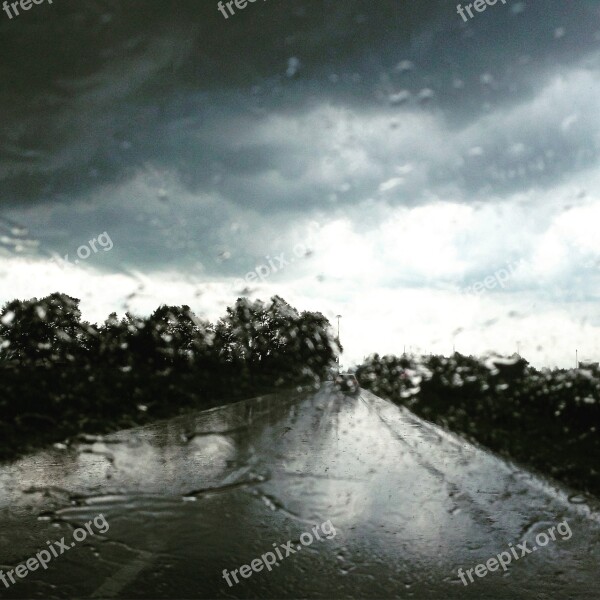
(548, 420)
(61, 376)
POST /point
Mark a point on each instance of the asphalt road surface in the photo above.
(405, 505)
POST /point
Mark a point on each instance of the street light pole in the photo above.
(338, 339)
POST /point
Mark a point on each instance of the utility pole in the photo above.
(338, 317)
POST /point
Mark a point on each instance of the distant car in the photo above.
(346, 382)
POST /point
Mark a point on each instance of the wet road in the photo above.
(187, 498)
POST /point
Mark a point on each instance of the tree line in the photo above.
(61, 375)
(548, 420)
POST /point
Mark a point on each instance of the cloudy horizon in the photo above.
(411, 155)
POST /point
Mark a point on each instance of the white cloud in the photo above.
(412, 219)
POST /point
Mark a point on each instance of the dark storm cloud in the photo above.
(99, 94)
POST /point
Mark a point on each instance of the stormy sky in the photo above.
(371, 159)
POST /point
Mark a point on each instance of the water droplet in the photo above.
(293, 66)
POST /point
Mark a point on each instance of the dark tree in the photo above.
(41, 331)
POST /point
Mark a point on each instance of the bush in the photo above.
(61, 377)
(547, 420)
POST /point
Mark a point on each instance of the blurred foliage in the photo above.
(60, 376)
(547, 419)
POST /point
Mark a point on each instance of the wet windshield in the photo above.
(279, 269)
